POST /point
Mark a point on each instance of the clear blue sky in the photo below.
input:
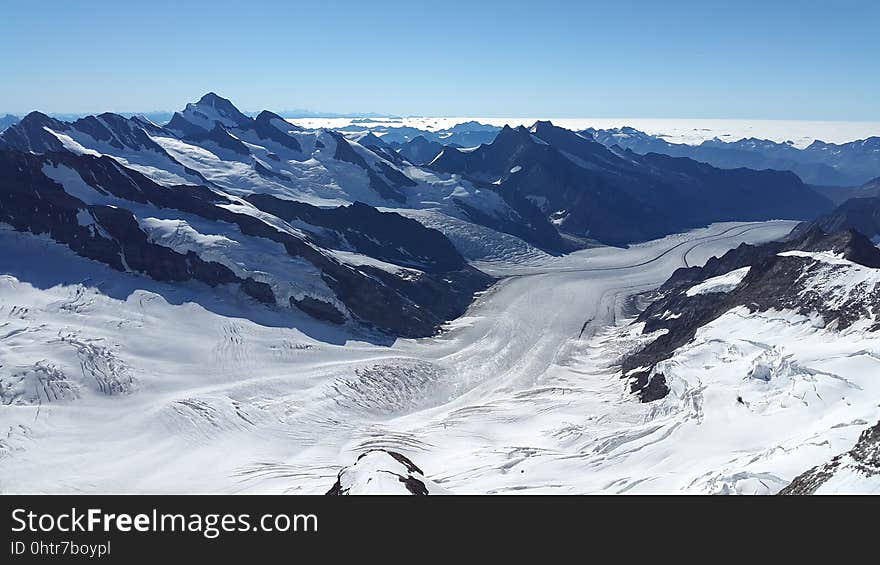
(804, 59)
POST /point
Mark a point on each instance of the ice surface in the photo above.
(721, 283)
(115, 383)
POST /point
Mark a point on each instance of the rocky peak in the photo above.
(212, 109)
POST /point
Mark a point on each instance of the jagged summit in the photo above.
(30, 134)
(541, 125)
(212, 109)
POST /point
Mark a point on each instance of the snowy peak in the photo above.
(39, 133)
(509, 135)
(34, 133)
(213, 132)
(589, 193)
(371, 140)
(215, 119)
(148, 125)
(590, 152)
(212, 109)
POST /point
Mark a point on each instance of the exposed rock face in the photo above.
(319, 309)
(801, 274)
(862, 460)
(383, 472)
(388, 236)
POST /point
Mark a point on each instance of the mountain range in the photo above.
(820, 163)
(201, 199)
(828, 167)
(589, 191)
(207, 196)
(344, 310)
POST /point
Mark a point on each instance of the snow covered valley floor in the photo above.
(112, 383)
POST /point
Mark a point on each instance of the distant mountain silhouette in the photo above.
(821, 163)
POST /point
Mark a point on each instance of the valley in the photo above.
(519, 394)
(238, 303)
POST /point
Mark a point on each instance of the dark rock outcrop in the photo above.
(371, 471)
(319, 309)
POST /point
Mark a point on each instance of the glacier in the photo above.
(117, 383)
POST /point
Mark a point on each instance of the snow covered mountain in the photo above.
(211, 143)
(798, 274)
(591, 192)
(464, 134)
(788, 327)
(192, 201)
(820, 163)
(228, 303)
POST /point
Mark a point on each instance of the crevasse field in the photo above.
(520, 395)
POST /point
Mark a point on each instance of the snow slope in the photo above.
(115, 383)
(721, 283)
(786, 392)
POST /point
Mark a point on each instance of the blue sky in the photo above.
(806, 59)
